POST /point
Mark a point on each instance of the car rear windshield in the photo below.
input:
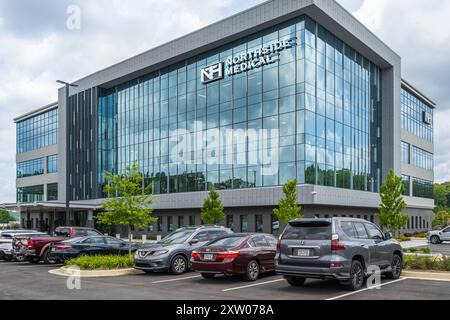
(308, 231)
(230, 242)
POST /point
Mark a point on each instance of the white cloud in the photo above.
(111, 31)
(33, 56)
(418, 31)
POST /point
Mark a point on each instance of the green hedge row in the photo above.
(426, 263)
(102, 262)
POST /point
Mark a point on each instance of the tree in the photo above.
(6, 217)
(127, 204)
(441, 219)
(212, 211)
(441, 194)
(392, 203)
(288, 208)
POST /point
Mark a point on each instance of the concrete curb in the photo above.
(68, 272)
(424, 275)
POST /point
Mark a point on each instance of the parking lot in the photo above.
(443, 248)
(24, 281)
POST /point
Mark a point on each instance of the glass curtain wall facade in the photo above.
(37, 132)
(30, 168)
(414, 116)
(52, 164)
(30, 194)
(323, 97)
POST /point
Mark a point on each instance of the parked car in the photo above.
(6, 242)
(173, 252)
(38, 249)
(86, 246)
(337, 248)
(75, 232)
(236, 254)
(2, 232)
(439, 236)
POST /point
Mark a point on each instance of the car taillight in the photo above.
(279, 241)
(230, 255)
(336, 244)
(336, 266)
(195, 255)
(30, 244)
(59, 248)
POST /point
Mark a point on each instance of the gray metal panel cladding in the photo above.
(82, 147)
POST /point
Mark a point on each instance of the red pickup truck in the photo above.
(36, 249)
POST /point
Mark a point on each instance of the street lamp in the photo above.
(67, 86)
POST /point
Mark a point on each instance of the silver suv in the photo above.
(337, 248)
(439, 236)
(173, 252)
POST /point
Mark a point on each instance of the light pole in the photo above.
(67, 86)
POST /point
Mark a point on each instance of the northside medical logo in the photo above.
(212, 73)
(254, 59)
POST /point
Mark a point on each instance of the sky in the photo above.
(39, 43)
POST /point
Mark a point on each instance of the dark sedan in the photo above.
(86, 246)
(236, 254)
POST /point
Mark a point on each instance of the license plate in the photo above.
(302, 252)
(208, 257)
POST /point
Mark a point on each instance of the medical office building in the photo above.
(306, 69)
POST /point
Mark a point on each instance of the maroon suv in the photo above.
(36, 249)
(236, 254)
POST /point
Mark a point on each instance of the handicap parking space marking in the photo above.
(175, 279)
(252, 285)
(362, 290)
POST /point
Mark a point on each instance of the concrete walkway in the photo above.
(413, 244)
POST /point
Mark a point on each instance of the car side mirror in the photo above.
(193, 241)
(388, 236)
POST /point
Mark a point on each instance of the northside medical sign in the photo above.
(248, 61)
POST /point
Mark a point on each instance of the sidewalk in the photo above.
(413, 244)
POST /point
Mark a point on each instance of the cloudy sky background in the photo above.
(36, 48)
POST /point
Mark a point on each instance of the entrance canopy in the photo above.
(50, 205)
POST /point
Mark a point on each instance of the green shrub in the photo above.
(422, 235)
(426, 263)
(426, 250)
(403, 239)
(102, 262)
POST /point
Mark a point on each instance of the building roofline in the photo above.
(408, 86)
(264, 15)
(36, 112)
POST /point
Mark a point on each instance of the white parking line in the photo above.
(252, 285)
(177, 279)
(370, 288)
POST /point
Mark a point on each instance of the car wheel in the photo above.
(296, 281)
(178, 265)
(252, 273)
(397, 267)
(208, 275)
(46, 257)
(356, 276)
(435, 240)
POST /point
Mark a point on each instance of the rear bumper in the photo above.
(216, 268)
(61, 257)
(315, 273)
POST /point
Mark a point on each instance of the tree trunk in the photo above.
(129, 240)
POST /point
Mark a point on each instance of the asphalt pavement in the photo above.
(23, 281)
